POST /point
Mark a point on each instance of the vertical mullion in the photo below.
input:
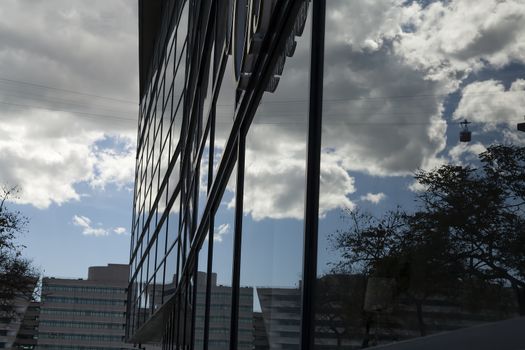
(236, 269)
(313, 170)
(211, 153)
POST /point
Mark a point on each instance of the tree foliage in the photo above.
(17, 275)
(481, 210)
(465, 241)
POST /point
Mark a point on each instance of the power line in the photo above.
(18, 95)
(73, 112)
(66, 90)
(378, 123)
(394, 97)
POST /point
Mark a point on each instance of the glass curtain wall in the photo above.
(420, 209)
(155, 242)
(419, 227)
(215, 251)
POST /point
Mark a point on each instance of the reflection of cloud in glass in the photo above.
(387, 89)
(220, 232)
(450, 39)
(489, 103)
(373, 197)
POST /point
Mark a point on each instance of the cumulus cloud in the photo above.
(120, 230)
(372, 22)
(87, 229)
(71, 85)
(381, 115)
(220, 232)
(490, 104)
(389, 66)
(113, 166)
(373, 197)
(465, 152)
(450, 39)
(388, 74)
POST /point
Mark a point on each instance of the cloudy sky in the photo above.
(399, 77)
(69, 96)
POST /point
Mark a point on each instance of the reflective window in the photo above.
(200, 300)
(274, 195)
(222, 263)
(419, 213)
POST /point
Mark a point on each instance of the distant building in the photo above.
(220, 320)
(11, 325)
(27, 336)
(280, 318)
(78, 314)
(348, 316)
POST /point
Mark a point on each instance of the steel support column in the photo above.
(313, 171)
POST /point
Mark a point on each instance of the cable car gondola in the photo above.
(465, 135)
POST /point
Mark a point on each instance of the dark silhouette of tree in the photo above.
(403, 248)
(339, 306)
(17, 275)
(465, 242)
(482, 212)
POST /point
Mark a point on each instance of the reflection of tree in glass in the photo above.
(465, 247)
(482, 212)
(339, 303)
(392, 248)
(18, 276)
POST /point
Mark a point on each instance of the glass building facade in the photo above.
(329, 175)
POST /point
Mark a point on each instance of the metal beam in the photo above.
(313, 172)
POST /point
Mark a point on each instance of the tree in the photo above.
(339, 306)
(482, 212)
(465, 242)
(17, 275)
(403, 248)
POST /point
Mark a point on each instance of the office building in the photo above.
(264, 127)
(84, 314)
(27, 336)
(220, 317)
(13, 324)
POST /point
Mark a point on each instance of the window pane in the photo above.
(413, 204)
(170, 278)
(224, 115)
(273, 220)
(221, 279)
(202, 279)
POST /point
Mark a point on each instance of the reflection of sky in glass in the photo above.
(394, 97)
(396, 88)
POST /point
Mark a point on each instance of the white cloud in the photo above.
(378, 54)
(47, 148)
(120, 230)
(87, 229)
(373, 197)
(466, 152)
(372, 23)
(417, 187)
(370, 121)
(489, 103)
(220, 232)
(449, 39)
(112, 166)
(389, 67)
